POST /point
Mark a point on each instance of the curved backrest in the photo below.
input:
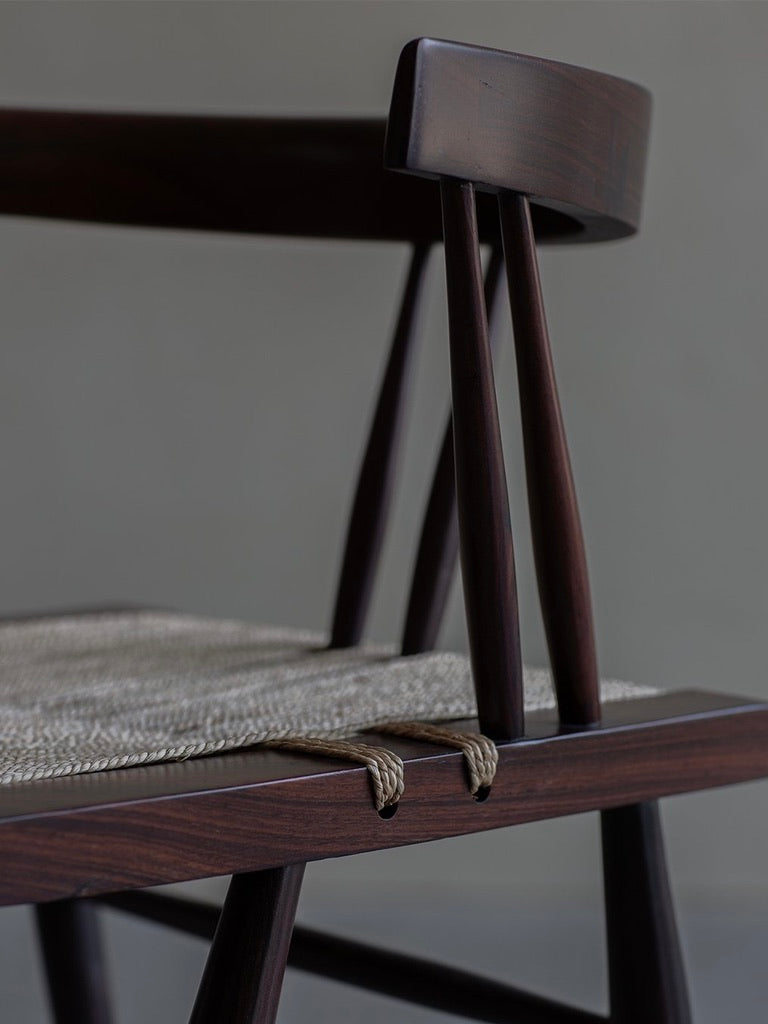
(535, 133)
(572, 140)
(324, 177)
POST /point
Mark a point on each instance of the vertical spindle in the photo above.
(487, 558)
(561, 565)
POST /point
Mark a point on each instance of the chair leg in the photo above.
(244, 972)
(70, 942)
(645, 965)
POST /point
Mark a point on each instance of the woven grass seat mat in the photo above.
(88, 693)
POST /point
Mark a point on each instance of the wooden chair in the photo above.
(495, 148)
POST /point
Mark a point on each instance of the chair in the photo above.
(495, 148)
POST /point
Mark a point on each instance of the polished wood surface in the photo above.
(572, 139)
(487, 556)
(324, 176)
(245, 811)
(370, 508)
(243, 975)
(438, 547)
(558, 544)
(645, 963)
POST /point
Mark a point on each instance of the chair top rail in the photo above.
(324, 176)
(570, 139)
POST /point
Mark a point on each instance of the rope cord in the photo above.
(480, 754)
(386, 769)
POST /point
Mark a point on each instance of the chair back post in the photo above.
(487, 558)
(558, 543)
(438, 546)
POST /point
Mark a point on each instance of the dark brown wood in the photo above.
(561, 564)
(181, 171)
(646, 973)
(68, 932)
(439, 541)
(573, 139)
(257, 809)
(372, 500)
(487, 557)
(378, 970)
(243, 975)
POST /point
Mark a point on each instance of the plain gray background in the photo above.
(182, 414)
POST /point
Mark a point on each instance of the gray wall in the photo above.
(181, 413)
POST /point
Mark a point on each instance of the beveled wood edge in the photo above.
(257, 767)
(440, 125)
(224, 824)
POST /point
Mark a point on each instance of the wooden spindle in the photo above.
(72, 951)
(243, 975)
(370, 508)
(439, 541)
(561, 565)
(487, 558)
(645, 964)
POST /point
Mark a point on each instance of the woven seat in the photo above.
(86, 693)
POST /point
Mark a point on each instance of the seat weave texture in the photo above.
(87, 693)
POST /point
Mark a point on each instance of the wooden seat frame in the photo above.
(524, 150)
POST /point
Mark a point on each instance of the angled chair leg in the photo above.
(645, 964)
(70, 943)
(244, 972)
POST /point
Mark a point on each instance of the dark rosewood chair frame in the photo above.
(524, 150)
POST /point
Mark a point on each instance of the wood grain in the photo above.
(145, 826)
(572, 139)
(324, 176)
